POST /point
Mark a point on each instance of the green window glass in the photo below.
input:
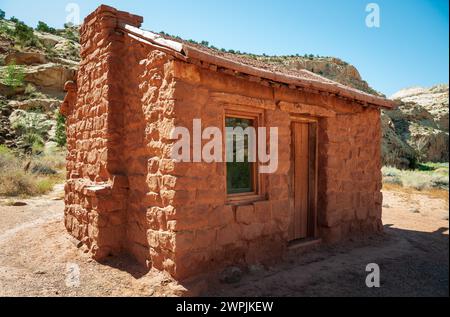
(239, 174)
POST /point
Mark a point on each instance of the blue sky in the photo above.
(411, 46)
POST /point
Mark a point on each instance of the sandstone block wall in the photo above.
(211, 233)
(97, 185)
(350, 198)
(124, 193)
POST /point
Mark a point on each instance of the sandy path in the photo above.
(38, 258)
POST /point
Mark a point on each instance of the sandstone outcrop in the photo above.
(42, 104)
(49, 76)
(420, 123)
(25, 58)
(46, 63)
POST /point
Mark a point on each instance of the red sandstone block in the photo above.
(152, 199)
(167, 165)
(362, 212)
(205, 239)
(330, 218)
(269, 228)
(108, 204)
(172, 225)
(136, 233)
(331, 235)
(191, 264)
(111, 236)
(252, 231)
(141, 253)
(167, 197)
(167, 240)
(378, 198)
(184, 241)
(191, 217)
(349, 214)
(245, 214)
(157, 258)
(178, 198)
(229, 234)
(355, 227)
(280, 210)
(169, 181)
(152, 238)
(116, 218)
(263, 211)
(376, 211)
(278, 193)
(157, 218)
(153, 165)
(169, 266)
(120, 182)
(221, 216)
(215, 195)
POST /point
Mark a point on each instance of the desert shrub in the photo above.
(4, 30)
(6, 157)
(391, 175)
(43, 27)
(30, 89)
(15, 182)
(60, 134)
(16, 179)
(25, 34)
(420, 179)
(31, 92)
(44, 185)
(389, 171)
(416, 180)
(440, 181)
(31, 128)
(48, 162)
(70, 35)
(13, 75)
(13, 179)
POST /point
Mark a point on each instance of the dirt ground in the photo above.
(38, 258)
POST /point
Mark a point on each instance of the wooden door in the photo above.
(303, 220)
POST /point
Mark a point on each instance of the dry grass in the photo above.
(29, 175)
(431, 192)
(431, 179)
(429, 176)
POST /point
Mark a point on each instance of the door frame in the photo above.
(313, 171)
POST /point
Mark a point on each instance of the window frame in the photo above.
(258, 181)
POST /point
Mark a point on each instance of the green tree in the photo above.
(13, 75)
(43, 27)
(24, 34)
(2, 14)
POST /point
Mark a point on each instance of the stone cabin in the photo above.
(125, 194)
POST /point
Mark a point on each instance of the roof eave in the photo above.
(189, 53)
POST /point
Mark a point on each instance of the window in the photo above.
(240, 171)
